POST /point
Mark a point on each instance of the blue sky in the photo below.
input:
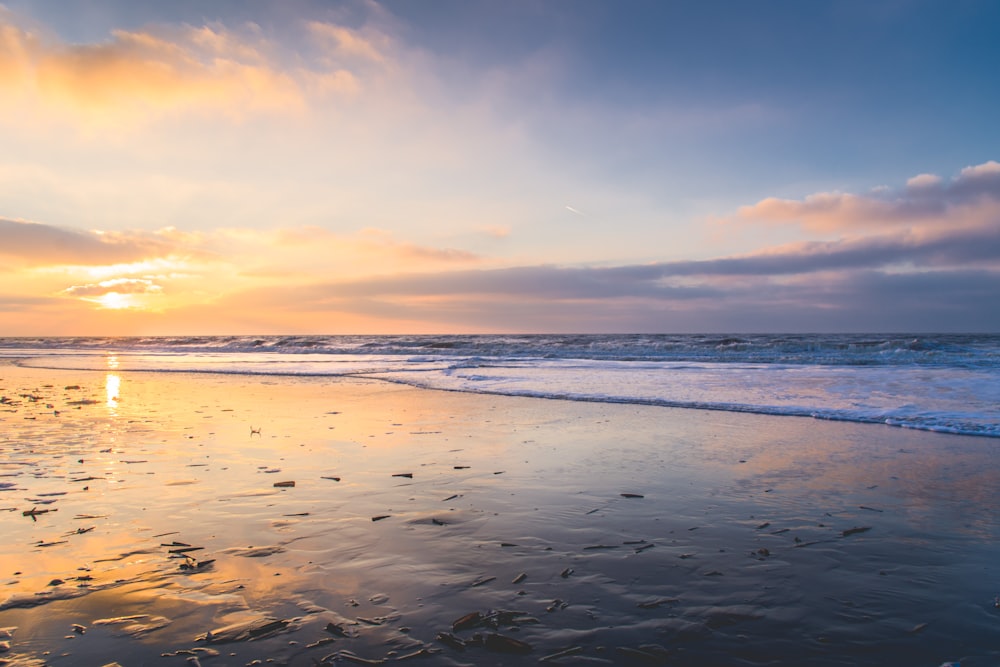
(356, 166)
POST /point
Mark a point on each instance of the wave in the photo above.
(948, 384)
(840, 349)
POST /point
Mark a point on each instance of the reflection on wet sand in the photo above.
(598, 533)
(112, 385)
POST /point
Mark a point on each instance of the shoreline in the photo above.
(739, 548)
(657, 403)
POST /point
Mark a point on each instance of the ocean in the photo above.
(944, 383)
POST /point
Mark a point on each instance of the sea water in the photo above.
(946, 383)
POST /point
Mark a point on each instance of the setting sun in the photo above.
(115, 301)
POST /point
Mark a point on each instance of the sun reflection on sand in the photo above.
(112, 385)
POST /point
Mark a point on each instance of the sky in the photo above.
(470, 166)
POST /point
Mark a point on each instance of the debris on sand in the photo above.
(482, 581)
(256, 628)
(451, 640)
(504, 644)
(255, 552)
(321, 642)
(192, 564)
(470, 620)
(184, 550)
(358, 660)
(338, 629)
(418, 653)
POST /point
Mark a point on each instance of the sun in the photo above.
(115, 301)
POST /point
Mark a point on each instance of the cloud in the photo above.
(118, 286)
(923, 181)
(685, 280)
(902, 279)
(615, 301)
(13, 303)
(972, 197)
(349, 45)
(912, 249)
(161, 69)
(285, 250)
(36, 244)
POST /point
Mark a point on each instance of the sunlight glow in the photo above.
(115, 301)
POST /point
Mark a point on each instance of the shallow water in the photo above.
(742, 549)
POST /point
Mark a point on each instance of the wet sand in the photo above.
(177, 519)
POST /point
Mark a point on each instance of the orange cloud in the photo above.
(142, 68)
(972, 198)
(162, 69)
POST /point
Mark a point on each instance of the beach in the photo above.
(199, 518)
